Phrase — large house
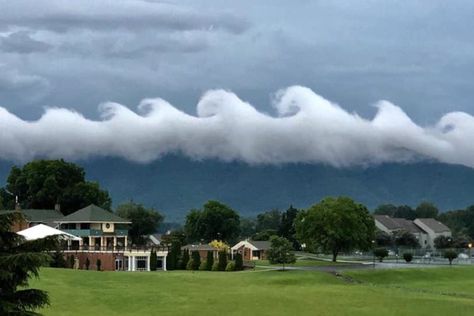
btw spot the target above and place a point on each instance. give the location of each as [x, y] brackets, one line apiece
[425, 230]
[251, 249]
[104, 236]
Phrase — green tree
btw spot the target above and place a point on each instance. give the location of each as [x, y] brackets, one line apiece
[265, 234]
[98, 264]
[450, 255]
[209, 260]
[280, 251]
[269, 220]
[335, 225]
[19, 261]
[145, 221]
[153, 260]
[239, 262]
[215, 221]
[247, 227]
[88, 263]
[385, 209]
[380, 253]
[405, 211]
[443, 242]
[404, 238]
[196, 259]
[287, 227]
[408, 257]
[184, 259]
[426, 210]
[382, 239]
[222, 260]
[41, 184]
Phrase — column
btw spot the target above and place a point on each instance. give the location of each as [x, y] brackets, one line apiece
[126, 243]
[164, 262]
[129, 267]
[133, 263]
[148, 263]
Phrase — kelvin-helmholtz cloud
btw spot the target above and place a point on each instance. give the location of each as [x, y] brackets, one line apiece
[307, 128]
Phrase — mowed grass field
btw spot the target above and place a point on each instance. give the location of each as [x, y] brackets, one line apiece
[433, 291]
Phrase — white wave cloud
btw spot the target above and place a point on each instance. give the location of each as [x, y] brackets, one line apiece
[307, 128]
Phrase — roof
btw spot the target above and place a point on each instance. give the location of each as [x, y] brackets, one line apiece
[434, 225]
[42, 231]
[398, 224]
[93, 214]
[387, 221]
[37, 215]
[260, 244]
[253, 244]
[204, 247]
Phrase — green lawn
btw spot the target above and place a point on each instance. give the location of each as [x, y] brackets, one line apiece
[300, 263]
[443, 291]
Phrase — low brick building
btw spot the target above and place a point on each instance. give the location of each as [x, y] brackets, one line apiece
[251, 249]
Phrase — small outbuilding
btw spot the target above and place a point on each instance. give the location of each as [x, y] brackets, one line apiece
[251, 249]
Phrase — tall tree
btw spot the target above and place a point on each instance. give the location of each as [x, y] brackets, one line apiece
[20, 260]
[405, 211]
[145, 221]
[280, 251]
[426, 210]
[335, 225]
[247, 227]
[405, 239]
[287, 227]
[269, 220]
[214, 221]
[43, 183]
[385, 209]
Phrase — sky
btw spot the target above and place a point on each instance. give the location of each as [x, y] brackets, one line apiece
[101, 65]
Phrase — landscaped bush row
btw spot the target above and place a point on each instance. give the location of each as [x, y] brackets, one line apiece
[194, 262]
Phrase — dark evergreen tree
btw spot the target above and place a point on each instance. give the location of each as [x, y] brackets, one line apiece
[239, 263]
[172, 261]
[153, 260]
[196, 258]
[88, 263]
[222, 260]
[184, 259]
[20, 260]
[98, 264]
[210, 260]
[57, 259]
[71, 261]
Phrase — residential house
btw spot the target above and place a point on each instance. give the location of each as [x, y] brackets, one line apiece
[433, 229]
[104, 236]
[32, 217]
[251, 249]
[425, 230]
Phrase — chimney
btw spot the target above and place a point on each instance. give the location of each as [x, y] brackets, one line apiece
[57, 207]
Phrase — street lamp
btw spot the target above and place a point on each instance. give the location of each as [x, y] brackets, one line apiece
[470, 246]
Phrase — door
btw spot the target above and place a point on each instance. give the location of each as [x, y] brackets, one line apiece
[118, 264]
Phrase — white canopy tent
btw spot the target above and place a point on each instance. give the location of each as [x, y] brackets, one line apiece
[42, 231]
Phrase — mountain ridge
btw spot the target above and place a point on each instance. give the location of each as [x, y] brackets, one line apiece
[175, 184]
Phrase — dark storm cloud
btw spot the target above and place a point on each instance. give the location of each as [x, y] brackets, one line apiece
[21, 42]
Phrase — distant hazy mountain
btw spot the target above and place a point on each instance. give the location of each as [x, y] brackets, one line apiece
[175, 184]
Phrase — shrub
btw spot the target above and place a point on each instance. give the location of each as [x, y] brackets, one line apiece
[450, 255]
[71, 261]
[57, 260]
[230, 266]
[196, 259]
[88, 263]
[98, 264]
[239, 263]
[380, 253]
[184, 260]
[215, 266]
[408, 257]
[203, 266]
[222, 260]
[210, 260]
[190, 265]
[153, 260]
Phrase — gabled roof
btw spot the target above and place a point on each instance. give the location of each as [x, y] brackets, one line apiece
[42, 231]
[93, 214]
[33, 215]
[434, 225]
[37, 215]
[394, 224]
[253, 244]
[387, 221]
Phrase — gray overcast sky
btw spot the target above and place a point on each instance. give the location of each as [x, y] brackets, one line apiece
[417, 54]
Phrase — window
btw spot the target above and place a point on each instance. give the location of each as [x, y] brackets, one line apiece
[141, 263]
[85, 226]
